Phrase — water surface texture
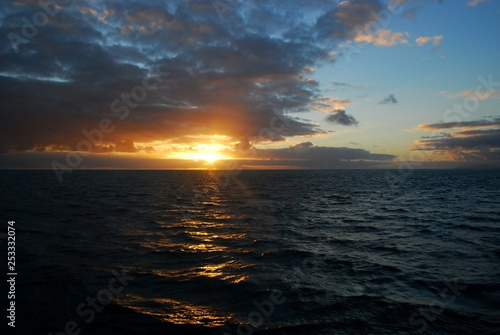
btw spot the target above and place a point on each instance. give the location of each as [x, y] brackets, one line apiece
[269, 252]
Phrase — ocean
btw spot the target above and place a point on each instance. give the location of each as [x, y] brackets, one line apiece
[262, 252]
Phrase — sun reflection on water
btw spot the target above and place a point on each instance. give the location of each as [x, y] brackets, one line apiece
[203, 234]
[176, 312]
[231, 271]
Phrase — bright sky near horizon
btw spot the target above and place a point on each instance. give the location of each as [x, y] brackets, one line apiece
[252, 84]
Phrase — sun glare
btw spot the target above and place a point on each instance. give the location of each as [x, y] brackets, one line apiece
[207, 153]
[209, 157]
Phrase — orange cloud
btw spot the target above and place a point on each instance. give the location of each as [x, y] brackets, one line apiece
[383, 38]
[436, 40]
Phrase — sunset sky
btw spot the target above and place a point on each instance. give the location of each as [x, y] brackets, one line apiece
[255, 84]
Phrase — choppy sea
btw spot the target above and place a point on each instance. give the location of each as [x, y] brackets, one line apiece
[262, 252]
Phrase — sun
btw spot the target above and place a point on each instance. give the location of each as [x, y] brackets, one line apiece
[200, 152]
[209, 157]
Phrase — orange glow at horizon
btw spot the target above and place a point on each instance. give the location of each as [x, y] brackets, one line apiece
[208, 153]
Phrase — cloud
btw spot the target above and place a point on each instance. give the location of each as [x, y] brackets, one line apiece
[302, 145]
[397, 3]
[339, 116]
[409, 13]
[436, 41]
[307, 155]
[226, 76]
[327, 104]
[301, 155]
[389, 100]
[383, 38]
[423, 40]
[468, 141]
[492, 122]
[474, 3]
[474, 94]
[336, 83]
[348, 18]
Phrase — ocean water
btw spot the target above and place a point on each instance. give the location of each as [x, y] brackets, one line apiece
[264, 252]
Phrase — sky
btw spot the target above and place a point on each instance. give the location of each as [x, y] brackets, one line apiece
[227, 84]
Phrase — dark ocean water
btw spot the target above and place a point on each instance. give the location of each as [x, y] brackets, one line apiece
[268, 252]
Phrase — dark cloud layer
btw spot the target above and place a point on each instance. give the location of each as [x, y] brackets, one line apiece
[306, 155]
[492, 122]
[229, 71]
[471, 141]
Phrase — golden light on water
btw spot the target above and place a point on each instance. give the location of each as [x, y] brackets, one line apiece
[176, 312]
[204, 238]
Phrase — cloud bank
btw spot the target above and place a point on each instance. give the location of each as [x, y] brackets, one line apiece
[468, 141]
[162, 71]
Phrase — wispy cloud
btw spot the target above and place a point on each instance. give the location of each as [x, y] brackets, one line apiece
[436, 41]
[397, 3]
[326, 105]
[340, 84]
[474, 3]
[492, 122]
[474, 94]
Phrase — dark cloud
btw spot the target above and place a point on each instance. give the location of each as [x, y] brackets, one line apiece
[487, 138]
[339, 116]
[302, 145]
[492, 122]
[346, 20]
[303, 156]
[306, 155]
[389, 100]
[474, 141]
[341, 84]
[226, 76]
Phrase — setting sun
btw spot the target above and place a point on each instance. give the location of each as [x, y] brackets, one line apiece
[208, 153]
[250, 167]
[209, 157]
